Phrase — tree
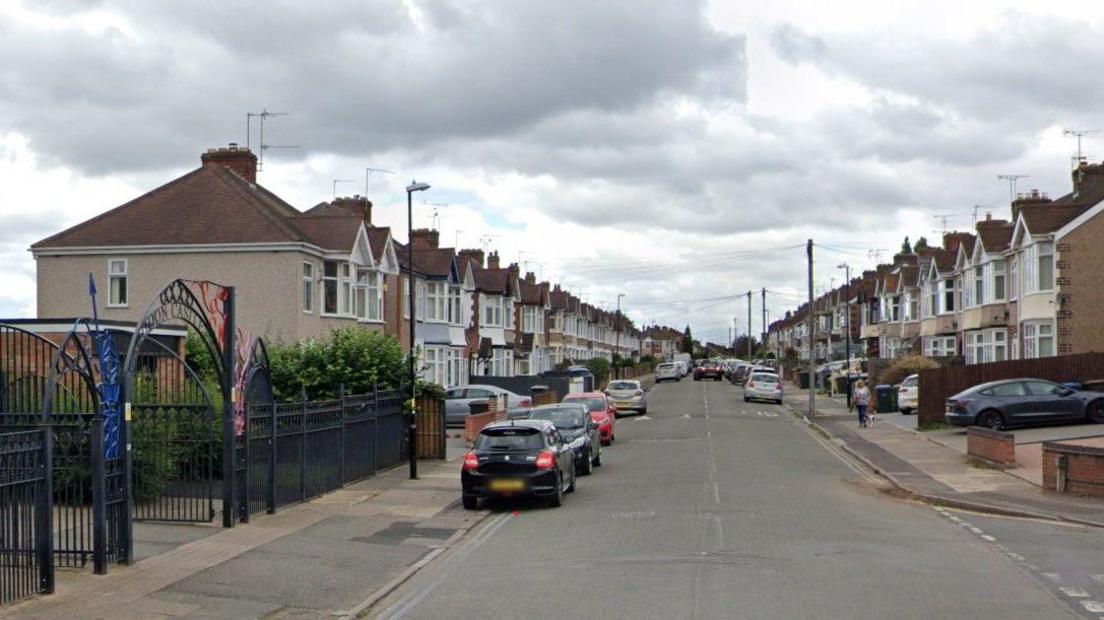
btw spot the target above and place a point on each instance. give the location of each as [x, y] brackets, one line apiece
[687, 341]
[906, 247]
[921, 244]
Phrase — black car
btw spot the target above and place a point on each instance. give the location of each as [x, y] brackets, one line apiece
[578, 431]
[1023, 402]
[518, 458]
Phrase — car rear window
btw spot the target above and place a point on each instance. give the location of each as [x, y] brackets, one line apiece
[519, 438]
[566, 417]
[1006, 389]
[764, 378]
[665, 367]
[623, 385]
[910, 382]
[592, 404]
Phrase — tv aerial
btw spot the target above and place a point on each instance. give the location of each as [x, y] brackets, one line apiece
[262, 115]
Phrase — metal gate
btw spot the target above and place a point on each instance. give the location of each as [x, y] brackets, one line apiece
[26, 563]
[180, 424]
[254, 449]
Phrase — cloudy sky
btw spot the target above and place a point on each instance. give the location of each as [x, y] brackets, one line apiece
[677, 152]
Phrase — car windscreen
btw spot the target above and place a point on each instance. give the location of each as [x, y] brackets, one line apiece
[592, 404]
[910, 382]
[623, 385]
[518, 438]
[566, 417]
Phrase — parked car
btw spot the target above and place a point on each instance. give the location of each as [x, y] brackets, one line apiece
[908, 394]
[1022, 402]
[459, 399]
[602, 411]
[518, 458]
[578, 430]
[684, 368]
[740, 374]
[628, 396]
[668, 372]
[708, 370]
[763, 386]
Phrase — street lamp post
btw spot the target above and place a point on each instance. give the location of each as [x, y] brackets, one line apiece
[617, 340]
[847, 325]
[412, 431]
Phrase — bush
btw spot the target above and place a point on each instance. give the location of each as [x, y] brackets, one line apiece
[355, 358]
[905, 366]
[600, 368]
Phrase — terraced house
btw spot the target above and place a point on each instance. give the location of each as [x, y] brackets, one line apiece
[1027, 287]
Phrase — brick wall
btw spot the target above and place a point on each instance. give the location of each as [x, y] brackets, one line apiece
[1080, 284]
[991, 446]
[1084, 470]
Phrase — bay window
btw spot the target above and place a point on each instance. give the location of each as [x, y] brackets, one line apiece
[1038, 339]
[455, 313]
[1038, 267]
[368, 302]
[997, 286]
[435, 365]
[329, 287]
[1013, 283]
[979, 285]
[1046, 266]
[308, 286]
[436, 301]
[988, 345]
[345, 294]
[948, 296]
[492, 310]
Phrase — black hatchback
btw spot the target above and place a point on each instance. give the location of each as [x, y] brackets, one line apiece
[518, 458]
[577, 429]
[1023, 402]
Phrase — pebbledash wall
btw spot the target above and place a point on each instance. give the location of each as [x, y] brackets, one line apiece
[268, 283]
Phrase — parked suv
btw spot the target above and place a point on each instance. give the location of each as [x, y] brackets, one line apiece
[518, 458]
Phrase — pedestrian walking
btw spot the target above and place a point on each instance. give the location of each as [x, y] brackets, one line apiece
[861, 398]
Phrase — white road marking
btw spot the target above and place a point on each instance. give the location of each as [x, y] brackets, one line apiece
[1099, 578]
[686, 415]
[1095, 607]
[1052, 576]
[1016, 556]
[1073, 592]
[716, 494]
[988, 538]
[976, 530]
[641, 418]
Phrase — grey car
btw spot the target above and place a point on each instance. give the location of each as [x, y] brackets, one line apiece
[1023, 402]
[578, 431]
[628, 395]
[458, 399]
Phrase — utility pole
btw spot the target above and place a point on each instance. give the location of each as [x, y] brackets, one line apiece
[811, 321]
[617, 346]
[847, 327]
[750, 355]
[763, 304]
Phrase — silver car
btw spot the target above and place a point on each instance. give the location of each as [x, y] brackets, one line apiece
[668, 372]
[763, 386]
[458, 399]
[628, 396]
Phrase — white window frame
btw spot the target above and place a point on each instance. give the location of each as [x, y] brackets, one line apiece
[307, 287]
[435, 364]
[436, 302]
[123, 277]
[492, 310]
[1046, 257]
[1013, 278]
[334, 282]
[996, 281]
[977, 283]
[1035, 334]
[455, 311]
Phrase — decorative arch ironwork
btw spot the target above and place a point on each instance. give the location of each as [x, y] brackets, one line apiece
[171, 424]
[254, 456]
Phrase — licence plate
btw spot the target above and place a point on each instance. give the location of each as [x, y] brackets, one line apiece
[622, 403]
[507, 485]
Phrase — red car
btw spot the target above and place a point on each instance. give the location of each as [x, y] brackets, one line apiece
[708, 370]
[601, 410]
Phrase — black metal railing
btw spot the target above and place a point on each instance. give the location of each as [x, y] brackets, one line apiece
[298, 451]
[26, 562]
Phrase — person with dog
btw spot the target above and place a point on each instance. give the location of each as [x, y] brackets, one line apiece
[860, 397]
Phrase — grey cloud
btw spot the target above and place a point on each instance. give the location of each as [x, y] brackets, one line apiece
[356, 77]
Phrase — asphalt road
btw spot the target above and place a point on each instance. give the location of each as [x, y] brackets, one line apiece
[712, 508]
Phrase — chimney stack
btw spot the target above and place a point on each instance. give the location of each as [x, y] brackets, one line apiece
[425, 239]
[531, 277]
[1034, 197]
[492, 260]
[473, 255]
[356, 205]
[233, 157]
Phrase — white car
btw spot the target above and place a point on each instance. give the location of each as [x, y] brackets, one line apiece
[668, 372]
[908, 394]
[763, 386]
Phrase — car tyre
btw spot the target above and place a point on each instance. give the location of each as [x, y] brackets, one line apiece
[557, 498]
[588, 466]
[470, 502]
[571, 487]
[747, 400]
[991, 419]
[598, 458]
[1096, 411]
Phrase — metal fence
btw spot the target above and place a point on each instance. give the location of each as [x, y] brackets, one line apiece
[939, 384]
[297, 451]
[26, 562]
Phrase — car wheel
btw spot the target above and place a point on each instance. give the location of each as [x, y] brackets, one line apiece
[644, 411]
[557, 498]
[906, 412]
[1096, 411]
[571, 487]
[991, 419]
[588, 466]
[747, 400]
[470, 502]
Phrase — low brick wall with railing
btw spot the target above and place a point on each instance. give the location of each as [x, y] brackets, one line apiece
[994, 447]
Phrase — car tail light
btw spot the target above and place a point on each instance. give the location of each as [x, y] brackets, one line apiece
[545, 460]
[954, 406]
[639, 393]
[471, 462]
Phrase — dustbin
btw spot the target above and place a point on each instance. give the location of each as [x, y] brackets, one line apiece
[803, 380]
[884, 395]
[479, 406]
[538, 389]
[840, 385]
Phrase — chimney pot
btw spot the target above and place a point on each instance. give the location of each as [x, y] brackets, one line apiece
[425, 239]
[241, 161]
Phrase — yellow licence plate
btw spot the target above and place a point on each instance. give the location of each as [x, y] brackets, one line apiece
[622, 403]
[507, 485]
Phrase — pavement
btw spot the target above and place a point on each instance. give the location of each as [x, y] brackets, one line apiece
[933, 465]
[325, 558]
[709, 507]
